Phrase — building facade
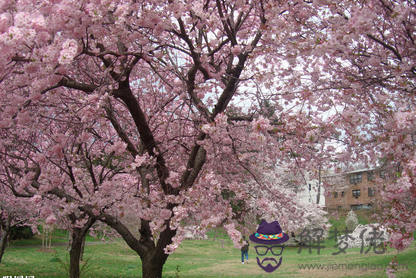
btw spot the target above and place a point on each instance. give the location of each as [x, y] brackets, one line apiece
[355, 190]
[310, 192]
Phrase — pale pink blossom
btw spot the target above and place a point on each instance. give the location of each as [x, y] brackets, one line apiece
[68, 52]
[51, 219]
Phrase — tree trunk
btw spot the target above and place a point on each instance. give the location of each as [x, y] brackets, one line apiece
[153, 261]
[153, 267]
[75, 254]
[152, 255]
[81, 258]
[318, 195]
[4, 236]
[50, 237]
[43, 236]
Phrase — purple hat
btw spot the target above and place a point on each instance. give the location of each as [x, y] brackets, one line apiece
[269, 233]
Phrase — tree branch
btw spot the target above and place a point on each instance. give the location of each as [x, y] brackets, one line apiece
[394, 50]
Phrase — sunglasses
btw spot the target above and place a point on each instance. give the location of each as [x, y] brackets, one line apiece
[262, 250]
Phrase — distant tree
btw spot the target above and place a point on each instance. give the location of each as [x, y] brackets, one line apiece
[21, 203]
[368, 74]
[351, 221]
[14, 213]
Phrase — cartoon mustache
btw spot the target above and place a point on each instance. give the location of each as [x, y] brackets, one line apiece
[269, 268]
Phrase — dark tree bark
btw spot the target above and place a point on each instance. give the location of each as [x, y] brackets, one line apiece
[5, 234]
[75, 254]
[155, 258]
[318, 195]
[153, 267]
[81, 258]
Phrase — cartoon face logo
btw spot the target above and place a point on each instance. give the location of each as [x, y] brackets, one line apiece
[268, 238]
[269, 264]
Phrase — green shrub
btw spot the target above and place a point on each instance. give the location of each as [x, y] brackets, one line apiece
[20, 232]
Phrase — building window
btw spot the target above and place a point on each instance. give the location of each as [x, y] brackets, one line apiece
[339, 207]
[335, 194]
[342, 194]
[371, 192]
[355, 178]
[370, 176]
[382, 174]
[356, 193]
[361, 207]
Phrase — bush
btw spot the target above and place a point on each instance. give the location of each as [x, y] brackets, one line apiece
[20, 232]
[365, 235]
[351, 221]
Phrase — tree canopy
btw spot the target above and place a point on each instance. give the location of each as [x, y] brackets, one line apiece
[158, 108]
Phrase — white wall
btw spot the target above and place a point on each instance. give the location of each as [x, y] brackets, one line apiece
[310, 196]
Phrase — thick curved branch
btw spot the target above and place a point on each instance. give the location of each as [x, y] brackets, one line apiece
[120, 131]
[110, 220]
[394, 50]
[190, 88]
[146, 135]
[195, 162]
[87, 88]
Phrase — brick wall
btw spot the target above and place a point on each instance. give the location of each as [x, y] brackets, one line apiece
[355, 193]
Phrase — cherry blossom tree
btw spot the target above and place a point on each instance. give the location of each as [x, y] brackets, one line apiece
[367, 58]
[25, 198]
[14, 212]
[163, 108]
[135, 106]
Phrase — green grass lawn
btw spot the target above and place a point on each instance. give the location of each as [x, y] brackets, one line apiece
[195, 258]
[205, 258]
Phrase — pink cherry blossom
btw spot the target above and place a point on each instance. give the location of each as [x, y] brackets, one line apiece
[167, 114]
